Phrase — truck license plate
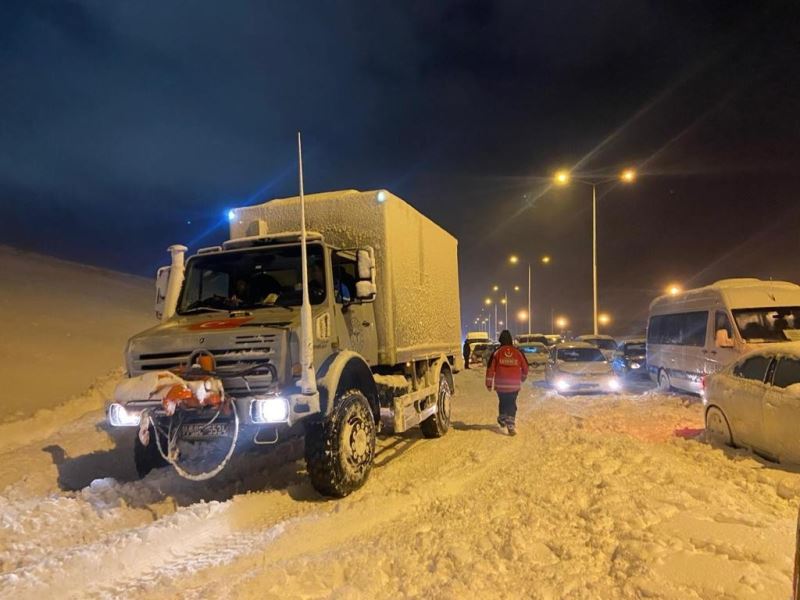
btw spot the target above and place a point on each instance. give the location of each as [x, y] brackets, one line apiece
[204, 431]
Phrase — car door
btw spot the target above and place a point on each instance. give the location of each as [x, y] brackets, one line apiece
[782, 411]
[718, 357]
[743, 400]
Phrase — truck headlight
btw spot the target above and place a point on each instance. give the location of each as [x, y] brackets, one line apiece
[274, 409]
[119, 416]
[562, 385]
[614, 385]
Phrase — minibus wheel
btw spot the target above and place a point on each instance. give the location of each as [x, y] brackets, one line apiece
[663, 381]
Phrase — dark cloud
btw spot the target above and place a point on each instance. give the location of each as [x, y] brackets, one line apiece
[127, 126]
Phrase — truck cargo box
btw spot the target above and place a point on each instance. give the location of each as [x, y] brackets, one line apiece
[417, 306]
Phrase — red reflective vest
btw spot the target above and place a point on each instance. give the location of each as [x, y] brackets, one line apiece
[507, 369]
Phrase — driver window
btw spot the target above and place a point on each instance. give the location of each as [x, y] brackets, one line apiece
[787, 373]
[344, 277]
[754, 368]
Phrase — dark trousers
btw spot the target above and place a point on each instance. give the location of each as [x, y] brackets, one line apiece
[508, 406]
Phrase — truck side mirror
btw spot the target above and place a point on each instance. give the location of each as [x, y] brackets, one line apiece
[162, 279]
[723, 340]
[366, 290]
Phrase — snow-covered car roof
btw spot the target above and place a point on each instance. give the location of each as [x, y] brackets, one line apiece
[568, 345]
[595, 337]
[779, 349]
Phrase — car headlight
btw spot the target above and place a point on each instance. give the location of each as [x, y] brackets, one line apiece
[635, 365]
[562, 385]
[119, 416]
[274, 409]
[614, 384]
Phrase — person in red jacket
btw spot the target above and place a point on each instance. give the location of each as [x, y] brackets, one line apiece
[506, 371]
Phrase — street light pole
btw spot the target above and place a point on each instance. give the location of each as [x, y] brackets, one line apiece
[594, 254]
[529, 298]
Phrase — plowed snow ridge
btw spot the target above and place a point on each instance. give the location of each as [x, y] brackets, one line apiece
[598, 497]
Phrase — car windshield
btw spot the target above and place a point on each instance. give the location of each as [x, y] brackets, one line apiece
[602, 343]
[531, 339]
[638, 348]
[251, 279]
[533, 348]
[580, 355]
[768, 324]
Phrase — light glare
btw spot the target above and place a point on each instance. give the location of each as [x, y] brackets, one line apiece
[562, 177]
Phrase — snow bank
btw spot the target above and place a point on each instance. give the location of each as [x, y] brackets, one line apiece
[66, 324]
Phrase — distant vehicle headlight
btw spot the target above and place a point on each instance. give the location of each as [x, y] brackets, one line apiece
[635, 365]
[562, 385]
[614, 385]
[119, 416]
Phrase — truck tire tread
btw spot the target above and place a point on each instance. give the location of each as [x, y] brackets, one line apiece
[327, 461]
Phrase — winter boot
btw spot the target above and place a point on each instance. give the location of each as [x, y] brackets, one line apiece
[512, 426]
[501, 421]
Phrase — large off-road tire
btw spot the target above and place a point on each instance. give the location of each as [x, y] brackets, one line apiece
[341, 449]
[718, 432]
[147, 458]
[438, 424]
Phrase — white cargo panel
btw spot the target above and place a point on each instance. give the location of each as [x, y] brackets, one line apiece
[417, 307]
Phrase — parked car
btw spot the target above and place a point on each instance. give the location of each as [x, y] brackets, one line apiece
[530, 338]
[700, 331]
[487, 353]
[630, 358]
[536, 354]
[755, 403]
[606, 343]
[477, 352]
[553, 339]
[580, 367]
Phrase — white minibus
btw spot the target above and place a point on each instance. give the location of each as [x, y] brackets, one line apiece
[699, 331]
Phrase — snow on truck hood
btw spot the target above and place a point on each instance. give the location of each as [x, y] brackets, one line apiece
[209, 322]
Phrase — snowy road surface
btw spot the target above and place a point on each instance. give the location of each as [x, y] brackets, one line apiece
[597, 497]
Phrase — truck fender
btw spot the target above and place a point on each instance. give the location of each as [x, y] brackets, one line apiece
[343, 371]
[444, 369]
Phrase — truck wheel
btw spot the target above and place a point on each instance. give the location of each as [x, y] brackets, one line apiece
[147, 458]
[340, 450]
[437, 425]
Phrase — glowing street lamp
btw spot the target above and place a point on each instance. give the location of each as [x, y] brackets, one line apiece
[603, 319]
[488, 302]
[561, 323]
[513, 259]
[674, 290]
[562, 178]
[495, 288]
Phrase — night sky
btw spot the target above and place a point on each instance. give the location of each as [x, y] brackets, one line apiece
[128, 126]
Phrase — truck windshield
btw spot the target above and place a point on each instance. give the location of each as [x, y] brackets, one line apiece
[251, 279]
[768, 324]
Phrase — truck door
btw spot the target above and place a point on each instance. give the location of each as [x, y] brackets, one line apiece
[355, 322]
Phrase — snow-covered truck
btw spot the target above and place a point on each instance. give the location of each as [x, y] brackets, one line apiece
[221, 373]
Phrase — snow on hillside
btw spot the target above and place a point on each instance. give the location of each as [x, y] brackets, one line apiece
[65, 324]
